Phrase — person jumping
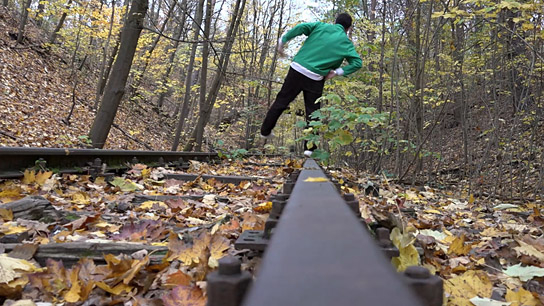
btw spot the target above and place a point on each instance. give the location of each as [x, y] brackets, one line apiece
[319, 59]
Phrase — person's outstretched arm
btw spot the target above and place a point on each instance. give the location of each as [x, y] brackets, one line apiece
[301, 28]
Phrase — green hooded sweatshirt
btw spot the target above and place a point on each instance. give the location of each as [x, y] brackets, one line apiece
[325, 48]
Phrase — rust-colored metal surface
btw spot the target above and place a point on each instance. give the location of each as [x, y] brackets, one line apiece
[320, 254]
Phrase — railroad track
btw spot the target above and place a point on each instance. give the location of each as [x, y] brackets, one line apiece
[14, 160]
[317, 250]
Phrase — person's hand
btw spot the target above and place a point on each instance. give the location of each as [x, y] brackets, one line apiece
[281, 53]
[331, 75]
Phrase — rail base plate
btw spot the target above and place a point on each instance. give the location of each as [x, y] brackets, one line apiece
[252, 240]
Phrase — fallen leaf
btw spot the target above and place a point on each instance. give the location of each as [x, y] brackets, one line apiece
[505, 206]
[116, 290]
[263, 208]
[43, 176]
[152, 204]
[81, 198]
[478, 301]
[524, 273]
[458, 246]
[177, 278]
[467, 286]
[521, 298]
[527, 249]
[218, 246]
[408, 253]
[72, 296]
[184, 295]
[6, 214]
[316, 179]
[12, 268]
[29, 177]
[125, 185]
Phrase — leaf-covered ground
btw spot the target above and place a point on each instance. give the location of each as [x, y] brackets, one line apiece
[488, 253]
[195, 232]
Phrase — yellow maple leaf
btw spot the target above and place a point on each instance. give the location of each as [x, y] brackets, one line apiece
[29, 177]
[218, 246]
[521, 298]
[458, 246]
[316, 179]
[466, 286]
[72, 295]
[10, 193]
[41, 177]
[186, 252]
[81, 198]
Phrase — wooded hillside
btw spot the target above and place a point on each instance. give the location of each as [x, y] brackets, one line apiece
[450, 92]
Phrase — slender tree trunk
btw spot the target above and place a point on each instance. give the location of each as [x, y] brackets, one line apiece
[188, 77]
[459, 90]
[275, 57]
[105, 76]
[101, 77]
[60, 24]
[177, 37]
[115, 88]
[24, 17]
[205, 54]
[39, 13]
[196, 136]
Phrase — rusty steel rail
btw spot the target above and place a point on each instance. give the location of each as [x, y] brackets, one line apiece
[320, 254]
[13, 160]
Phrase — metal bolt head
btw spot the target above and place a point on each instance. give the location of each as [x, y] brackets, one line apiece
[229, 265]
[417, 272]
[382, 233]
[349, 197]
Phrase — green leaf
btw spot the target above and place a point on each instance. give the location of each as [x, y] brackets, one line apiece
[125, 185]
[344, 137]
[321, 155]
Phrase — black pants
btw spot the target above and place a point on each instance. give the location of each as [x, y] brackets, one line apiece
[294, 83]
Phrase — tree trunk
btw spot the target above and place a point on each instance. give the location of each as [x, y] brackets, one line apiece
[24, 17]
[177, 37]
[101, 77]
[39, 12]
[188, 76]
[196, 136]
[105, 76]
[251, 126]
[115, 88]
[275, 57]
[60, 24]
[205, 54]
[460, 102]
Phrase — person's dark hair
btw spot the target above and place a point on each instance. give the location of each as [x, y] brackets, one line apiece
[345, 20]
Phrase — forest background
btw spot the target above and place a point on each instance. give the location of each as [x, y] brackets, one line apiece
[450, 93]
